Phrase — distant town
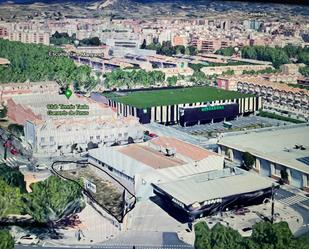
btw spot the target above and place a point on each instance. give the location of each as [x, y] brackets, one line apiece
[187, 128]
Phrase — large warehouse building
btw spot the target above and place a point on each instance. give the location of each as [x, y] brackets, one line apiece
[158, 160]
[185, 180]
[187, 106]
[274, 150]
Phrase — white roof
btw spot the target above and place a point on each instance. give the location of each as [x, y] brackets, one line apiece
[119, 161]
[275, 145]
[213, 185]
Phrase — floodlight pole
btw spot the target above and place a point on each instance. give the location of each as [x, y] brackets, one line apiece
[272, 203]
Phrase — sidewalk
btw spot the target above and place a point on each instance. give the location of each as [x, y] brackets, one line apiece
[93, 228]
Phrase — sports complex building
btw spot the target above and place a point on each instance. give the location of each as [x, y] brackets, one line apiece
[186, 181]
[187, 106]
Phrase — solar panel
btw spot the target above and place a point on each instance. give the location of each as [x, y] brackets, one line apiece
[304, 160]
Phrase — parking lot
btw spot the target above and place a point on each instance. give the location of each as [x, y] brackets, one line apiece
[243, 219]
[239, 124]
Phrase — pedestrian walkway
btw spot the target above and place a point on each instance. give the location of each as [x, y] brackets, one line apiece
[10, 161]
[295, 199]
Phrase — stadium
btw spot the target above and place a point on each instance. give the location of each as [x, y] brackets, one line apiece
[187, 106]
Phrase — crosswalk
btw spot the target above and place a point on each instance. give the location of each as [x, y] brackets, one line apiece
[295, 199]
[10, 161]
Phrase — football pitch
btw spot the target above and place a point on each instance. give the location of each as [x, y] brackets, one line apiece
[146, 99]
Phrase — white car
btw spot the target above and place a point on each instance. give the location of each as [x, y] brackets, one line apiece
[41, 167]
[28, 240]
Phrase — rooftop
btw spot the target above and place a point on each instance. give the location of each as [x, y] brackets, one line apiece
[38, 105]
[188, 150]
[276, 145]
[149, 157]
[214, 184]
[146, 99]
[274, 85]
[4, 61]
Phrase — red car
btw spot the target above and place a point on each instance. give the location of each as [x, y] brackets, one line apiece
[153, 135]
[14, 151]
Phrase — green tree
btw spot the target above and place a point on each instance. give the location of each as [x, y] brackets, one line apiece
[198, 77]
[53, 198]
[264, 236]
[12, 177]
[3, 111]
[171, 81]
[10, 200]
[6, 240]
[36, 62]
[249, 160]
[93, 41]
[277, 56]
[267, 235]
[202, 236]
[225, 237]
[16, 129]
[304, 71]
[229, 51]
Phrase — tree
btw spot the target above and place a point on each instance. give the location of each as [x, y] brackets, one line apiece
[3, 111]
[225, 237]
[16, 129]
[202, 236]
[6, 240]
[277, 56]
[304, 71]
[10, 200]
[267, 235]
[35, 62]
[171, 81]
[229, 51]
[12, 177]
[264, 235]
[53, 198]
[249, 160]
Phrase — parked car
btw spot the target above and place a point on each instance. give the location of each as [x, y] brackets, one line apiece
[41, 167]
[14, 151]
[242, 211]
[28, 240]
[153, 135]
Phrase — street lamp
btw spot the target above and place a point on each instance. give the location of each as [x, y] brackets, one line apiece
[272, 202]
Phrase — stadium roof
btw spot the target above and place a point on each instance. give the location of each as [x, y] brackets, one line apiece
[276, 145]
[146, 99]
[213, 185]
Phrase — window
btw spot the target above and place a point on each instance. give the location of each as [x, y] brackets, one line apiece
[98, 137]
[278, 169]
[91, 137]
[52, 139]
[42, 139]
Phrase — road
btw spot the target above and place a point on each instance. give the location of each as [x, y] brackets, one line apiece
[130, 240]
[299, 203]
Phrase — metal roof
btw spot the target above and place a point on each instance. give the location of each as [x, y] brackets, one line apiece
[213, 185]
[275, 144]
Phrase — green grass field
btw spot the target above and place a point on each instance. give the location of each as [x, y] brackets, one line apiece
[147, 99]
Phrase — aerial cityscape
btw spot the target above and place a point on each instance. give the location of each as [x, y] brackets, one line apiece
[154, 124]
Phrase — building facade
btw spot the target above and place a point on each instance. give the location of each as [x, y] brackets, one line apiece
[284, 149]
